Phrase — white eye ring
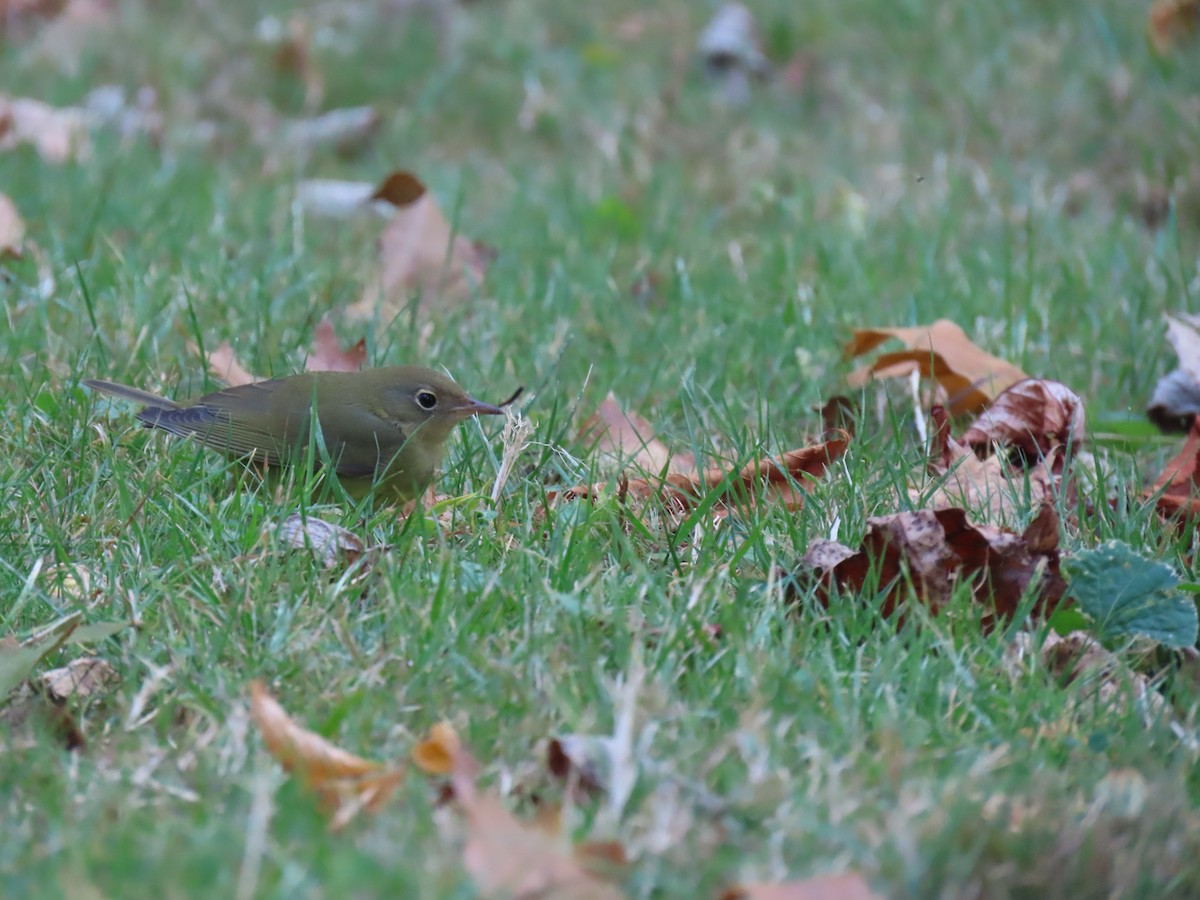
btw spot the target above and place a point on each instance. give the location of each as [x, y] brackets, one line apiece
[427, 400]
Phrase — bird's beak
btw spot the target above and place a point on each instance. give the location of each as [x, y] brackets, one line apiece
[478, 408]
[474, 407]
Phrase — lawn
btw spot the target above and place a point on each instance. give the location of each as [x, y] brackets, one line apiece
[1026, 169]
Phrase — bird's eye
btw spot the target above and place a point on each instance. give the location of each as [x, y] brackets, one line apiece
[426, 399]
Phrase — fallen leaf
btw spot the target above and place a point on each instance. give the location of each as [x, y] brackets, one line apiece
[729, 46]
[331, 543]
[1176, 398]
[435, 755]
[57, 134]
[970, 377]
[1032, 416]
[1175, 402]
[625, 438]
[1176, 492]
[507, 858]
[224, 366]
[12, 229]
[783, 480]
[1123, 594]
[1172, 21]
[342, 129]
[926, 553]
[340, 199]
[328, 355]
[292, 56]
[419, 254]
[582, 759]
[985, 486]
[81, 679]
[1078, 658]
[345, 783]
[18, 660]
[846, 886]
[64, 41]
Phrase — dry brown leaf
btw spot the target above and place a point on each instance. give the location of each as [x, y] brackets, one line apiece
[342, 129]
[12, 229]
[332, 543]
[625, 438]
[582, 759]
[970, 377]
[57, 134]
[419, 254]
[1176, 492]
[81, 679]
[435, 755]
[1172, 21]
[345, 783]
[507, 858]
[784, 480]
[989, 485]
[846, 886]
[64, 41]
[223, 365]
[1032, 416]
[292, 56]
[925, 553]
[1176, 398]
[327, 354]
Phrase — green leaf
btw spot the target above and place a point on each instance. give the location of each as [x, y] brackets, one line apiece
[18, 663]
[96, 632]
[1066, 619]
[1124, 593]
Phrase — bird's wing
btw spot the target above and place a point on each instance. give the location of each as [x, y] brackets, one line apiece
[239, 421]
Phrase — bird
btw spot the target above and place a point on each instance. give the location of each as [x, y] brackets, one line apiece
[383, 429]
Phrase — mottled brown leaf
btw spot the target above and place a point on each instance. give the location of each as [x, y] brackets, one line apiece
[924, 554]
[1032, 416]
[331, 543]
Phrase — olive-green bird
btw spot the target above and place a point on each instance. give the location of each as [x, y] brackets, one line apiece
[383, 428]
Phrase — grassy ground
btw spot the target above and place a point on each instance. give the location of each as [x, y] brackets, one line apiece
[999, 164]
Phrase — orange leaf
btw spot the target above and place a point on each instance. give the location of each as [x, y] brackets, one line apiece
[419, 253]
[224, 366]
[328, 355]
[971, 377]
[627, 438]
[508, 858]
[1171, 21]
[1177, 489]
[346, 784]
[300, 751]
[847, 886]
[436, 753]
[775, 475]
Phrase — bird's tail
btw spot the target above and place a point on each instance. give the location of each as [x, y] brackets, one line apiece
[130, 393]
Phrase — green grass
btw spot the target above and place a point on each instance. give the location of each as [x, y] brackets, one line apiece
[1004, 171]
